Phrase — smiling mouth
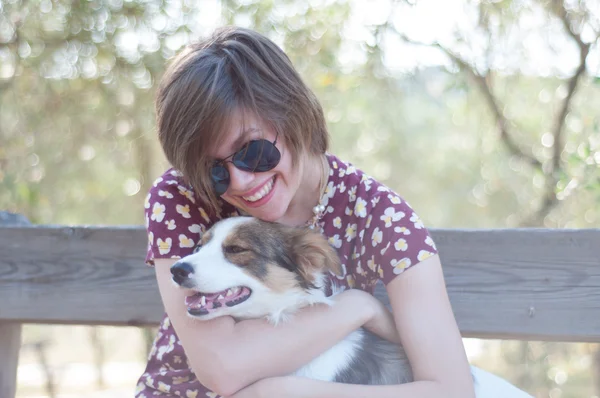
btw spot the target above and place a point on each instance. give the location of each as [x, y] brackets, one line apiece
[262, 193]
[204, 303]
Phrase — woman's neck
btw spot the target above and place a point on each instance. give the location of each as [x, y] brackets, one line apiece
[315, 173]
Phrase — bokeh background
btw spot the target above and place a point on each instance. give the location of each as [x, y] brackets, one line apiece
[482, 114]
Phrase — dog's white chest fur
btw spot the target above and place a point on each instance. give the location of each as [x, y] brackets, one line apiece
[326, 366]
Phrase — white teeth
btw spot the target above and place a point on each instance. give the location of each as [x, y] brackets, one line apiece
[203, 301]
[220, 297]
[235, 290]
[260, 194]
[229, 292]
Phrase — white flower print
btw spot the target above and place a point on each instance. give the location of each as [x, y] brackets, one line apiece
[360, 208]
[350, 232]
[342, 187]
[375, 201]
[351, 170]
[417, 221]
[157, 181]
[394, 199]
[376, 237]
[187, 193]
[165, 349]
[171, 225]
[203, 214]
[391, 215]
[348, 211]
[330, 190]
[147, 220]
[163, 387]
[164, 246]
[165, 194]
[335, 241]
[371, 264]
[430, 242]
[367, 181]
[180, 379]
[172, 182]
[342, 173]
[184, 241]
[147, 201]
[423, 255]
[361, 234]
[158, 212]
[401, 245]
[151, 238]
[402, 230]
[183, 210]
[383, 188]
[385, 248]
[400, 265]
[176, 173]
[196, 228]
[337, 222]
[369, 219]
[352, 194]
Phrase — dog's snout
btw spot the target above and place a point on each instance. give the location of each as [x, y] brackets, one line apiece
[181, 272]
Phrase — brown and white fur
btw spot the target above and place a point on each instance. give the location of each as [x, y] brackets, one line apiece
[247, 268]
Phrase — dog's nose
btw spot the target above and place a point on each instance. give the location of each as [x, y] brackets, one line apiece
[181, 271]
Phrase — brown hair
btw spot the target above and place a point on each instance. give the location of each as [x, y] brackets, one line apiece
[235, 69]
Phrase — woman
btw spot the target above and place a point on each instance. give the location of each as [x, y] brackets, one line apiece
[246, 136]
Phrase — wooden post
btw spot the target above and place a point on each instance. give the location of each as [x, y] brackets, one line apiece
[10, 333]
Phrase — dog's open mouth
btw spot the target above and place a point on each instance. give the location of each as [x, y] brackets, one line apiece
[203, 303]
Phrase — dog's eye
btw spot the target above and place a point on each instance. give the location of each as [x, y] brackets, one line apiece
[233, 249]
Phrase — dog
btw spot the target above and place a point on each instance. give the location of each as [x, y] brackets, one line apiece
[247, 268]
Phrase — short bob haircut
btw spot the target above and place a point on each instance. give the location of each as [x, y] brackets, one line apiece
[234, 70]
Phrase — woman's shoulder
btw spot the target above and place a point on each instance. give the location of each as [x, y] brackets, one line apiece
[350, 184]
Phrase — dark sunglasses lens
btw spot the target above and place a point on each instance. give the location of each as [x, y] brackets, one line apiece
[258, 155]
[220, 178]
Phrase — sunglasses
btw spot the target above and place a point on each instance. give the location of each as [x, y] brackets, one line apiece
[256, 156]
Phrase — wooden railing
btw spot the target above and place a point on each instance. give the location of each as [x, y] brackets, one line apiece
[527, 284]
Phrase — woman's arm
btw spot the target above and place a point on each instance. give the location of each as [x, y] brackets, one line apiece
[227, 356]
[429, 335]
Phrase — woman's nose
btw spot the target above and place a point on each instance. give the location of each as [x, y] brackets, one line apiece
[239, 179]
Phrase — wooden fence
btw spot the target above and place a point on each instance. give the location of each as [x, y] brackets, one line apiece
[528, 284]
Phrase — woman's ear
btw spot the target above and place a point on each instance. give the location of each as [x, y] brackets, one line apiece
[314, 253]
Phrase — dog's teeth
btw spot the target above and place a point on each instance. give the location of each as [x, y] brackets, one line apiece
[229, 292]
[220, 297]
[235, 290]
[203, 301]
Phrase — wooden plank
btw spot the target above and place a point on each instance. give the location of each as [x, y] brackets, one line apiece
[10, 332]
[527, 283]
[531, 284]
[77, 275]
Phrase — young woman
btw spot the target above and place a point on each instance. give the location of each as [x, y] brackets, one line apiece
[246, 136]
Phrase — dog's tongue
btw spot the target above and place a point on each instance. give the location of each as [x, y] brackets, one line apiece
[210, 301]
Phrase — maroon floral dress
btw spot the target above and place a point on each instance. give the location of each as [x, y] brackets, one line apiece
[376, 233]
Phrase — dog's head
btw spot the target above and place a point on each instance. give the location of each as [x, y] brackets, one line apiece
[249, 268]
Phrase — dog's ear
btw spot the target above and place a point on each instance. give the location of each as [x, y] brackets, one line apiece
[314, 253]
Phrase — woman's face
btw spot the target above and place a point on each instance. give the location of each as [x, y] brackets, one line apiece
[264, 195]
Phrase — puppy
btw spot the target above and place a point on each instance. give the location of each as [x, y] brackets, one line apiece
[247, 268]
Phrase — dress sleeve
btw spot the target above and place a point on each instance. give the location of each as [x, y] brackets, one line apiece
[175, 221]
[393, 238]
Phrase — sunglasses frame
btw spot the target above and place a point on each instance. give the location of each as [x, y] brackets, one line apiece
[221, 163]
